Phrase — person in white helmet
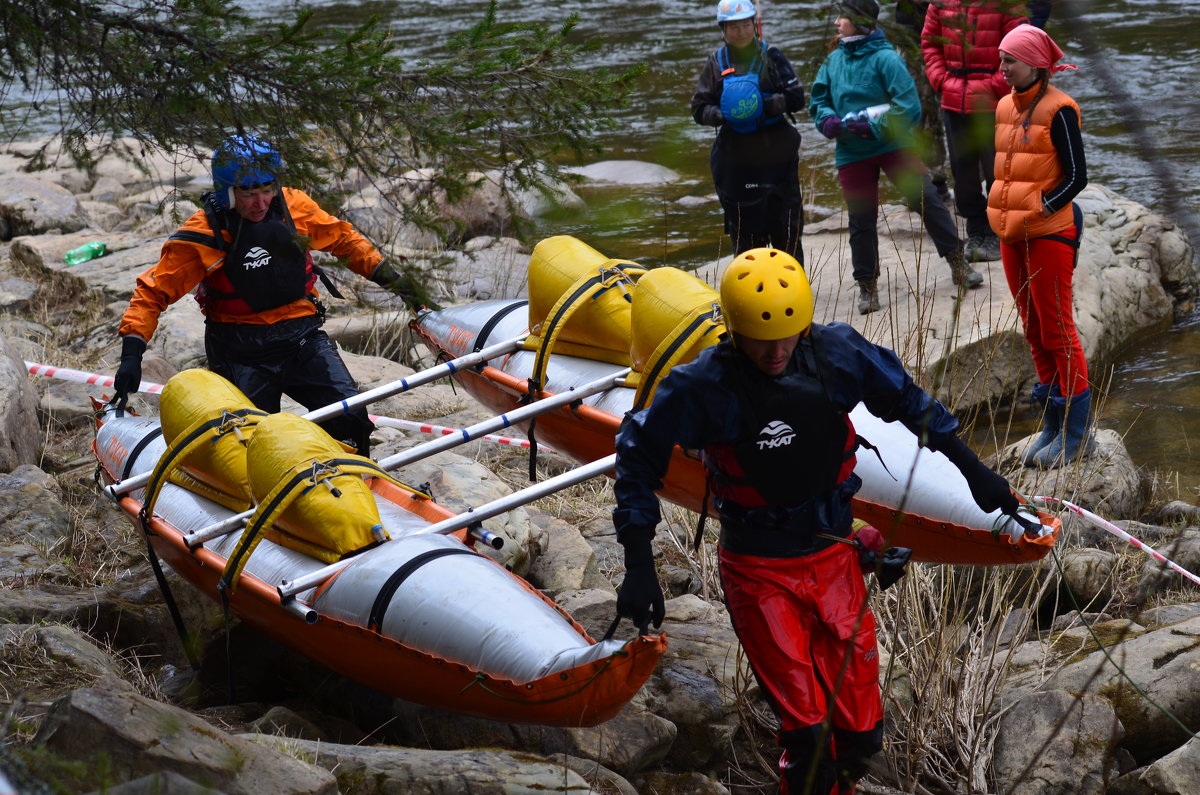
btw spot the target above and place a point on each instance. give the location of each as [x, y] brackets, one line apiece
[747, 89]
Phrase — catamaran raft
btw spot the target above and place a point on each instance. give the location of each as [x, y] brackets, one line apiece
[608, 330]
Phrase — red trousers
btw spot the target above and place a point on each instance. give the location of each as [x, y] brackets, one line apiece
[1040, 273]
[810, 638]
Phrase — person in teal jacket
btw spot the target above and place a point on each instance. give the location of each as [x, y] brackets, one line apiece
[865, 76]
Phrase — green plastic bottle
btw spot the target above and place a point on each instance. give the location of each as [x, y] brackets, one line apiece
[85, 252]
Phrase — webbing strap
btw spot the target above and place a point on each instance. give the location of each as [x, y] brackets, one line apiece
[199, 433]
[283, 494]
[131, 459]
[679, 341]
[384, 598]
[188, 236]
[481, 338]
[613, 273]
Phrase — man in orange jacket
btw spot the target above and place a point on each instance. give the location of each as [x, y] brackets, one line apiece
[246, 254]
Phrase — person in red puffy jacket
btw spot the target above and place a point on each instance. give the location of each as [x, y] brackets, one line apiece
[960, 43]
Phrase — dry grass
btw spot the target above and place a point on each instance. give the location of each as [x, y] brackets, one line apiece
[32, 678]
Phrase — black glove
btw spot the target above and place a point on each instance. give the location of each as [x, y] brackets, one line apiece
[892, 566]
[640, 597]
[129, 371]
[991, 491]
[774, 105]
[402, 285]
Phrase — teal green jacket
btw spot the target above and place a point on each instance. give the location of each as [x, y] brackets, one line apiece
[857, 75]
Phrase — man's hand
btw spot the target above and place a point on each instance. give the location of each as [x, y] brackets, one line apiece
[990, 490]
[402, 285]
[831, 127]
[129, 371]
[640, 597]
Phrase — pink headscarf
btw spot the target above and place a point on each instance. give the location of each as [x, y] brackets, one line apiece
[1034, 47]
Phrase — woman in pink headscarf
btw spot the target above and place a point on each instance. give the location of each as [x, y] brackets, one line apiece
[1040, 168]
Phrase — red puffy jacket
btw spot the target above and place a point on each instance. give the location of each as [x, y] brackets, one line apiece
[961, 47]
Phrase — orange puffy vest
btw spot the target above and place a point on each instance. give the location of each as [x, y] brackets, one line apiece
[1026, 167]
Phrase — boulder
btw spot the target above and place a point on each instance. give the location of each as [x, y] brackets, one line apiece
[567, 562]
[699, 682]
[140, 737]
[30, 206]
[31, 510]
[1165, 665]
[486, 269]
[1177, 773]
[625, 172]
[413, 771]
[20, 436]
[111, 276]
[459, 484]
[1183, 550]
[1106, 482]
[1056, 742]
[1088, 574]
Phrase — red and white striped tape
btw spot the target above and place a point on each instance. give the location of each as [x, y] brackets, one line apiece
[442, 430]
[1108, 526]
[67, 374]
[79, 376]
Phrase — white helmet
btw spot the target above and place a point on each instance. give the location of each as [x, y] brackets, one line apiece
[731, 10]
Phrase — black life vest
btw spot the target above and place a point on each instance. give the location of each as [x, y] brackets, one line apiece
[801, 444]
[264, 266]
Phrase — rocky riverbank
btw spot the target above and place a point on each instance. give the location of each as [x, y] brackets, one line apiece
[1071, 676]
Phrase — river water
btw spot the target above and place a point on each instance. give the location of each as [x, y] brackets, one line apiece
[1137, 62]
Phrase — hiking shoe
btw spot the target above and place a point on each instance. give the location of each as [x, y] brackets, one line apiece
[983, 248]
[868, 297]
[962, 272]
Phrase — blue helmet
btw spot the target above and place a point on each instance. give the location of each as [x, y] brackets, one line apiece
[732, 10]
[240, 162]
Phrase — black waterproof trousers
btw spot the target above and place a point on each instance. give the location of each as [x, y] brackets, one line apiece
[294, 358]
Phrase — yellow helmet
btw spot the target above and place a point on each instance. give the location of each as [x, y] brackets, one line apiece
[765, 295]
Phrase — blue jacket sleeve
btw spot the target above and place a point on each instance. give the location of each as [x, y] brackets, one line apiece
[690, 409]
[706, 100]
[902, 93]
[857, 370]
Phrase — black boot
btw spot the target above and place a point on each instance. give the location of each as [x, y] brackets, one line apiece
[868, 296]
